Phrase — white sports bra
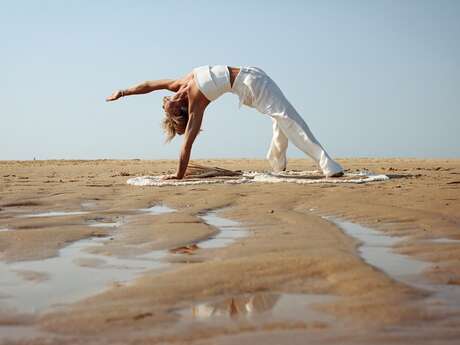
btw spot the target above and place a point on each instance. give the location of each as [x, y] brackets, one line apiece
[213, 81]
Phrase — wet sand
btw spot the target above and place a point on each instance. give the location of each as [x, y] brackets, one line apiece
[288, 275]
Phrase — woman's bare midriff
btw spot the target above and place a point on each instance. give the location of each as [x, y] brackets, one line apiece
[233, 73]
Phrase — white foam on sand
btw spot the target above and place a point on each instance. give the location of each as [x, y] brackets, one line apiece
[299, 177]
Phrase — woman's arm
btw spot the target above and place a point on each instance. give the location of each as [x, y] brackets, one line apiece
[192, 130]
[197, 104]
[146, 87]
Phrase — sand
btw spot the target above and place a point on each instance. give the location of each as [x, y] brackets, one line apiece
[222, 295]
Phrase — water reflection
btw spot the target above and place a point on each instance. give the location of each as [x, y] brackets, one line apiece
[292, 307]
[236, 306]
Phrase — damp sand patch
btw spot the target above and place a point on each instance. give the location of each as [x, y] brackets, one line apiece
[246, 177]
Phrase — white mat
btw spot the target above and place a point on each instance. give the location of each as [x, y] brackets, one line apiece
[299, 177]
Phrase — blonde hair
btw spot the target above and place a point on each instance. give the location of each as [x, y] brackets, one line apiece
[175, 124]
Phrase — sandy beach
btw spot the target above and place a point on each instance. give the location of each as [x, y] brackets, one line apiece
[88, 259]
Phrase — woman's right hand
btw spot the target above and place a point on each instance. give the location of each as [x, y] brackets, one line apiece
[114, 96]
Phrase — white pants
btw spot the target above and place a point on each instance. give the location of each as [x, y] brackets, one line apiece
[256, 89]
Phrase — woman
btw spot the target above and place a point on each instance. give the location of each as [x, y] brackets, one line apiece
[193, 93]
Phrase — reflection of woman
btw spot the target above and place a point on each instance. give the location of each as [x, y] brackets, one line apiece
[237, 306]
[193, 93]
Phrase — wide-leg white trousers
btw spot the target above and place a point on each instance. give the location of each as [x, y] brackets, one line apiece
[297, 131]
[256, 89]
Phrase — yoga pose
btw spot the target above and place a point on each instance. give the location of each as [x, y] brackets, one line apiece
[193, 93]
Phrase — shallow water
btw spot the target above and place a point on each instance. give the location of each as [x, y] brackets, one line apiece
[77, 273]
[158, 209]
[73, 274]
[229, 231]
[444, 240]
[51, 214]
[20, 332]
[89, 204]
[260, 306]
[376, 250]
[104, 224]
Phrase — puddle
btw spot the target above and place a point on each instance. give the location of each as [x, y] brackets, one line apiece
[20, 332]
[376, 251]
[106, 225]
[77, 272]
[154, 255]
[229, 231]
[158, 209]
[441, 240]
[51, 214]
[103, 223]
[88, 205]
[73, 275]
[261, 306]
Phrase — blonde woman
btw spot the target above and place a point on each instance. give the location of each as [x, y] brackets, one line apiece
[193, 93]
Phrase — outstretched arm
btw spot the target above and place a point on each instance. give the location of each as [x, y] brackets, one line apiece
[146, 87]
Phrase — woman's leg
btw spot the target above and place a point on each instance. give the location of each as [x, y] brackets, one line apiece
[297, 131]
[287, 124]
[277, 153]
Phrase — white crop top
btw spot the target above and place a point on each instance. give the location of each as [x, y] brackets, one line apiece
[213, 81]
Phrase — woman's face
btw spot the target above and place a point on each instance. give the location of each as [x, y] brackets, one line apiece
[179, 131]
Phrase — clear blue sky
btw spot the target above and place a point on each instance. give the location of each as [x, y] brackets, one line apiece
[371, 78]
